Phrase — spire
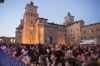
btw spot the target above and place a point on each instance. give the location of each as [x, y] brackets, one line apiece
[68, 14]
[32, 2]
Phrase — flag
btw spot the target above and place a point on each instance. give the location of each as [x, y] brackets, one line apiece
[1, 1]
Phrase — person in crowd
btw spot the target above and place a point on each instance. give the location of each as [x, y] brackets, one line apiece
[70, 62]
[69, 54]
[53, 60]
[42, 55]
[54, 54]
[91, 62]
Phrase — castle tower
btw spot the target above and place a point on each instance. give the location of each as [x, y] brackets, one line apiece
[68, 19]
[30, 17]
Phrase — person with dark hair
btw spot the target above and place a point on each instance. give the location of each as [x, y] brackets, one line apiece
[70, 62]
[42, 55]
[60, 56]
[18, 51]
[31, 55]
[53, 60]
[91, 62]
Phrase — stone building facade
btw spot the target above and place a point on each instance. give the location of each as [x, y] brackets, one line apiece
[36, 30]
[73, 31]
[91, 32]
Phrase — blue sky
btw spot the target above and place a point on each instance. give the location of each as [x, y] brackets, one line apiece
[54, 10]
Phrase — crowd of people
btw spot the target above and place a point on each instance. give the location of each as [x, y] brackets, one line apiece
[54, 55]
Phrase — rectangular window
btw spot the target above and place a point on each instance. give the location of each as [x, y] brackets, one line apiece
[91, 37]
[81, 38]
[84, 37]
[84, 31]
[90, 31]
[31, 23]
[30, 33]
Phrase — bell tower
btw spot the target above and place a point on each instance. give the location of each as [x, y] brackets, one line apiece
[31, 8]
[68, 19]
[30, 17]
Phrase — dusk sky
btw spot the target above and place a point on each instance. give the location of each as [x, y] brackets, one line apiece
[11, 11]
